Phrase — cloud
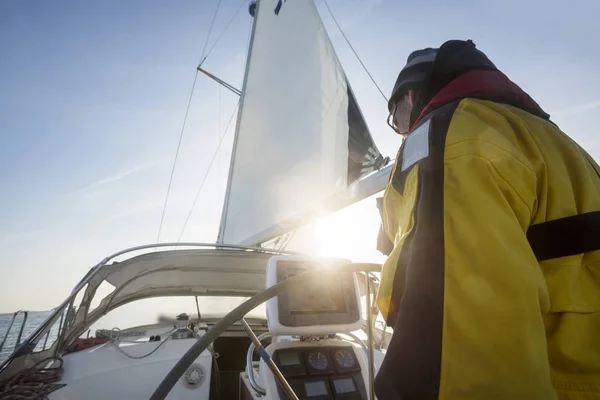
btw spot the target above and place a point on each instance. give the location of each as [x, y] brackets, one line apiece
[578, 109]
[116, 177]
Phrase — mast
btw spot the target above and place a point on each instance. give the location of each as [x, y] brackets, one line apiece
[253, 10]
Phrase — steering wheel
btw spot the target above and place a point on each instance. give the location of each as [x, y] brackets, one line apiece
[238, 313]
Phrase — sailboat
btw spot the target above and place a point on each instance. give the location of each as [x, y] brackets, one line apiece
[301, 149]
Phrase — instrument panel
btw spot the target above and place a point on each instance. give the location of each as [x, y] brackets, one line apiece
[315, 306]
[321, 373]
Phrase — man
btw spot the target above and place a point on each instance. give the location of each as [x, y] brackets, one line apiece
[492, 285]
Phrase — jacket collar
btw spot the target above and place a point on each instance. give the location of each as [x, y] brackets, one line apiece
[460, 71]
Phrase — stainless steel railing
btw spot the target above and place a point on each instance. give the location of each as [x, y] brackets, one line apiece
[12, 322]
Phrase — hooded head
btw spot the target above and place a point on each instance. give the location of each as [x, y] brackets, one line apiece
[409, 82]
[426, 72]
[413, 74]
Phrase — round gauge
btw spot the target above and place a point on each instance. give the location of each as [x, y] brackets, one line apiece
[318, 360]
[345, 358]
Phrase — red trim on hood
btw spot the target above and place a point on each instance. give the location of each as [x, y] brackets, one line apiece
[481, 84]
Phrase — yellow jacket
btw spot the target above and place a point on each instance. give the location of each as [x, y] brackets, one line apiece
[489, 300]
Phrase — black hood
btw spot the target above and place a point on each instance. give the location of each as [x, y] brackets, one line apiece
[454, 58]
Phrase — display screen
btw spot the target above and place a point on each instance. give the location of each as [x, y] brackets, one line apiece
[316, 388]
[324, 296]
[288, 358]
[344, 385]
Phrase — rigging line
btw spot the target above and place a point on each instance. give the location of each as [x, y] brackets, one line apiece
[219, 125]
[354, 51]
[212, 24]
[187, 110]
[223, 31]
[207, 172]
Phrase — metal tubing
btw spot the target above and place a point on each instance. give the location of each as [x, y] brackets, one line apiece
[249, 370]
[35, 337]
[9, 328]
[25, 315]
[59, 335]
[198, 309]
[269, 361]
[221, 82]
[46, 340]
[94, 270]
[370, 335]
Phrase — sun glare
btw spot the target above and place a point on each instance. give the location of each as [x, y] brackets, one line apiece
[349, 233]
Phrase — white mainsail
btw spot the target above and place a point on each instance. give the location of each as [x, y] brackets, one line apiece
[301, 141]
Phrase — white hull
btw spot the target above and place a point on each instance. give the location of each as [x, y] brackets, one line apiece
[103, 372]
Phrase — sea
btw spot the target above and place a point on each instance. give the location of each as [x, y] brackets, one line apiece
[34, 319]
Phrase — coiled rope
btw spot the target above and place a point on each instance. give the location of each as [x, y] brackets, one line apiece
[34, 383]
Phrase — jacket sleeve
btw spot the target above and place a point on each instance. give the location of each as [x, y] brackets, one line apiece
[469, 325]
[384, 244]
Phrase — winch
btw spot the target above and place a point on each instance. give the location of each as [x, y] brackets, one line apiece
[183, 331]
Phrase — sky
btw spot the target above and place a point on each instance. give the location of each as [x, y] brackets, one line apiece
[93, 96]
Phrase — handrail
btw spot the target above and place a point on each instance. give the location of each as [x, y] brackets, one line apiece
[41, 329]
[193, 244]
[25, 315]
[105, 261]
[250, 370]
[8, 330]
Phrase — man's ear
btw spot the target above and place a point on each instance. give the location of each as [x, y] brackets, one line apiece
[411, 97]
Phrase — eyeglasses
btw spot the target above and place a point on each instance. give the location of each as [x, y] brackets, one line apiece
[390, 119]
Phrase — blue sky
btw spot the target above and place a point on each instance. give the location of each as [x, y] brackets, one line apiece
[92, 97]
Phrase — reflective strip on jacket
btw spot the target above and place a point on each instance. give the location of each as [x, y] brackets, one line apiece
[476, 312]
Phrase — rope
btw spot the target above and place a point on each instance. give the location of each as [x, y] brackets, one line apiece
[35, 382]
[354, 51]
[206, 174]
